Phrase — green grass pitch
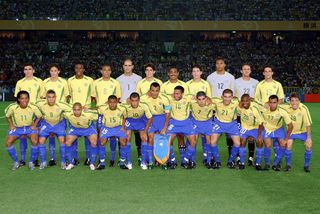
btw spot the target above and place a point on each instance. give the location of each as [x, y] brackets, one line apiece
[179, 191]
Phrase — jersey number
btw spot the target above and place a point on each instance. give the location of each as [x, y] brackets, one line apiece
[220, 85]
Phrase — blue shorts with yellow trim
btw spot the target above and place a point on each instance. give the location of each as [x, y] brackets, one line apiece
[136, 124]
[82, 132]
[202, 127]
[227, 128]
[244, 133]
[184, 127]
[23, 130]
[106, 132]
[59, 129]
[279, 133]
[157, 123]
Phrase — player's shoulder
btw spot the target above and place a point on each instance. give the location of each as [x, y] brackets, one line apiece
[87, 78]
[189, 82]
[114, 81]
[254, 81]
[62, 80]
[11, 106]
[71, 78]
[229, 75]
[37, 79]
[45, 81]
[33, 106]
[204, 82]
[158, 81]
[40, 102]
[262, 82]
[98, 80]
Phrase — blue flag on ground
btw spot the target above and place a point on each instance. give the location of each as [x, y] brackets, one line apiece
[161, 149]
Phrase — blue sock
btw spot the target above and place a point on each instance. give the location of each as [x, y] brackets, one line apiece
[33, 153]
[69, 153]
[13, 154]
[215, 153]
[279, 156]
[288, 154]
[209, 153]
[171, 155]
[43, 152]
[23, 148]
[93, 152]
[87, 147]
[189, 152]
[144, 146]
[75, 150]
[52, 147]
[267, 153]
[194, 153]
[113, 147]
[62, 153]
[234, 153]
[307, 157]
[242, 154]
[122, 155]
[204, 148]
[102, 153]
[187, 143]
[150, 154]
[275, 146]
[259, 152]
[182, 151]
[128, 152]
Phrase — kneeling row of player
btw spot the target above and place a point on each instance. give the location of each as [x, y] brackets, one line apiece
[156, 113]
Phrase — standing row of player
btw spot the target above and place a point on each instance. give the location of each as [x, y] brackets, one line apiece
[174, 116]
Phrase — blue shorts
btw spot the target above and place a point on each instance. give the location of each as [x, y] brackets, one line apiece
[136, 124]
[157, 123]
[99, 121]
[59, 129]
[227, 128]
[302, 136]
[244, 133]
[184, 127]
[202, 127]
[279, 133]
[107, 132]
[82, 132]
[19, 131]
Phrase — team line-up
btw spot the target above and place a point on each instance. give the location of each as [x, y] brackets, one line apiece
[246, 110]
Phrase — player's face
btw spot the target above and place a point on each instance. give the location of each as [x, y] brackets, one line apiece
[51, 99]
[79, 69]
[77, 110]
[246, 71]
[28, 71]
[196, 73]
[294, 102]
[273, 104]
[134, 102]
[201, 101]
[127, 66]
[149, 72]
[173, 74]
[177, 94]
[54, 72]
[106, 71]
[112, 104]
[226, 97]
[267, 72]
[220, 65]
[23, 100]
[245, 102]
[154, 91]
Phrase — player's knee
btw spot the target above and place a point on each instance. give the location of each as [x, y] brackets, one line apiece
[308, 146]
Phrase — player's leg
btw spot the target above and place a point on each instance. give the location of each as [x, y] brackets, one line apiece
[259, 153]
[139, 142]
[182, 146]
[102, 153]
[234, 151]
[23, 149]
[75, 154]
[113, 149]
[128, 148]
[70, 140]
[209, 153]
[62, 151]
[307, 155]
[144, 145]
[214, 150]
[34, 150]
[52, 149]
[171, 163]
[280, 154]
[93, 150]
[150, 150]
[12, 151]
[42, 151]
[242, 152]
[87, 147]
[191, 149]
[267, 152]
[123, 153]
[251, 148]
[288, 154]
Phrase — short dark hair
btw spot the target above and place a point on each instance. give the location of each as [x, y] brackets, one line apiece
[219, 58]
[155, 85]
[272, 97]
[244, 64]
[172, 67]
[196, 66]
[51, 92]
[79, 63]
[294, 95]
[245, 96]
[20, 93]
[28, 64]
[127, 59]
[134, 95]
[201, 94]
[112, 97]
[267, 66]
[54, 65]
[105, 65]
[227, 91]
[179, 87]
[149, 65]
[76, 104]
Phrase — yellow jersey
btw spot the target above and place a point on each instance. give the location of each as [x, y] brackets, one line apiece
[265, 89]
[81, 90]
[201, 113]
[34, 87]
[53, 114]
[157, 106]
[180, 109]
[251, 117]
[111, 118]
[60, 87]
[195, 87]
[225, 113]
[273, 120]
[143, 86]
[22, 116]
[168, 87]
[300, 118]
[104, 88]
[138, 112]
[83, 121]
